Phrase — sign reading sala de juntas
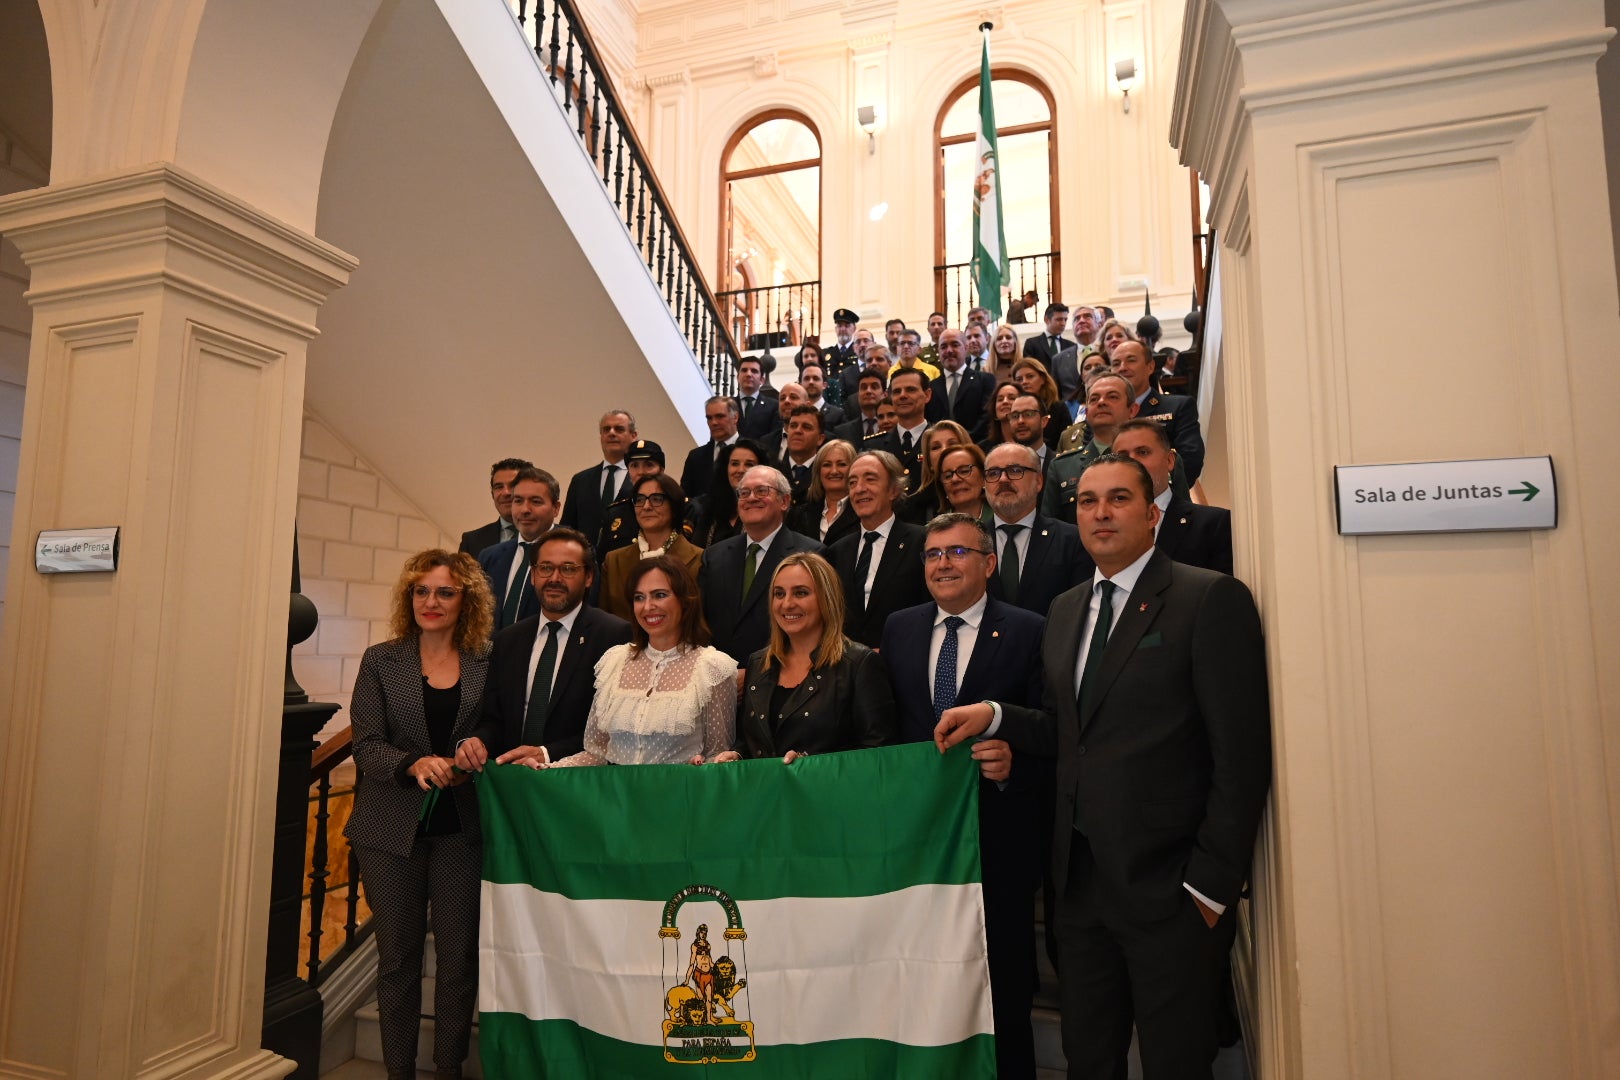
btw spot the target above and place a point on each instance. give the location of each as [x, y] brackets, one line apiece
[1482, 495]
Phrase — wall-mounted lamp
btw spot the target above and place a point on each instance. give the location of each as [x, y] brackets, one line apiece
[867, 115]
[1125, 76]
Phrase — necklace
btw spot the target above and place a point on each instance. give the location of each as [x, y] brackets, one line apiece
[429, 669]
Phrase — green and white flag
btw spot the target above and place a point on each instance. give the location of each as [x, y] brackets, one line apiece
[819, 919]
[989, 241]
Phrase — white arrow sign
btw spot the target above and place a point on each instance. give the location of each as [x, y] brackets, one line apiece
[1446, 496]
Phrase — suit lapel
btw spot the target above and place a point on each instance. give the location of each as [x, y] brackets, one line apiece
[412, 719]
[1142, 607]
[473, 677]
[767, 564]
[569, 663]
[985, 650]
[895, 548]
[1173, 530]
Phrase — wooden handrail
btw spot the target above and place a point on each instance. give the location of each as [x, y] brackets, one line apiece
[332, 753]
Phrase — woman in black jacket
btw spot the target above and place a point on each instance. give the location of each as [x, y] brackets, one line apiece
[811, 690]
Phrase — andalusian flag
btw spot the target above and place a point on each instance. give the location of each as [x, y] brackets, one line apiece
[989, 242]
[819, 919]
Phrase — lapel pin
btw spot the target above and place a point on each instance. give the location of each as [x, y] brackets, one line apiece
[1142, 608]
[582, 639]
[1184, 521]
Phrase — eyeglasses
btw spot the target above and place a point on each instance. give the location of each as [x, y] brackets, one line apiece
[1023, 414]
[445, 593]
[761, 492]
[961, 472]
[567, 569]
[657, 499]
[955, 553]
[1011, 472]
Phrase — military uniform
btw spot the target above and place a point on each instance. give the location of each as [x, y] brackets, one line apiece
[912, 462]
[1063, 480]
[837, 359]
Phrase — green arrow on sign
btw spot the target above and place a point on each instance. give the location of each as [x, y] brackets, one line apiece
[1529, 490]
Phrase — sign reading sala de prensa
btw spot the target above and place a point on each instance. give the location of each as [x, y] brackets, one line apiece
[1483, 495]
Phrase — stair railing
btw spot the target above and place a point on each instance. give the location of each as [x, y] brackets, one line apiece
[585, 91]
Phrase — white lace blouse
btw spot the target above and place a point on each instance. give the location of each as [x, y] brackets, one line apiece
[660, 708]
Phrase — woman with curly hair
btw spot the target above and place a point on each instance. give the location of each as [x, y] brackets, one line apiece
[712, 516]
[414, 696]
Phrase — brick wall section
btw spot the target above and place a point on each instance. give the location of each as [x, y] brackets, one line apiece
[355, 531]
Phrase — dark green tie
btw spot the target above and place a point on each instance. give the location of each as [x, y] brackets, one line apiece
[534, 718]
[609, 489]
[1099, 642]
[1009, 563]
[749, 567]
[514, 595]
[863, 567]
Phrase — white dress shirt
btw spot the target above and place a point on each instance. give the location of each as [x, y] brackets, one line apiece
[541, 633]
[967, 636]
[1162, 501]
[878, 545]
[1020, 541]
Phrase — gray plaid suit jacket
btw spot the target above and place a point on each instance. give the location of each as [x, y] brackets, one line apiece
[390, 734]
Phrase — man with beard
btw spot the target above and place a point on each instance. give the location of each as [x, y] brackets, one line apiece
[534, 508]
[542, 669]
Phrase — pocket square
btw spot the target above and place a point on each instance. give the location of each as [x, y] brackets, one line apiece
[1151, 640]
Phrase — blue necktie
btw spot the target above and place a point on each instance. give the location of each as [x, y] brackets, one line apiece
[945, 670]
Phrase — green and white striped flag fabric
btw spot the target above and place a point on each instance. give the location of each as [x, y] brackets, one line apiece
[819, 919]
[989, 239]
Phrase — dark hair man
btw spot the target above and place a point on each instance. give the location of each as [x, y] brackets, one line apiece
[908, 389]
[958, 393]
[1177, 412]
[502, 474]
[1187, 531]
[541, 681]
[804, 436]
[1152, 668]
[757, 411]
[864, 420]
[534, 510]
[720, 413]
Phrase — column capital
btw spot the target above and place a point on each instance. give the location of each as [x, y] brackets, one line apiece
[162, 225]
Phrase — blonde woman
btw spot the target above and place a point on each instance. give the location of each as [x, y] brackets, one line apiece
[811, 690]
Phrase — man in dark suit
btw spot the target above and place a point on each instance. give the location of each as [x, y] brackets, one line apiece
[908, 389]
[863, 418]
[542, 670]
[1045, 347]
[1156, 696]
[591, 490]
[720, 413]
[880, 566]
[735, 575]
[506, 565]
[1037, 557]
[967, 646]
[1187, 531]
[1177, 412]
[960, 394]
[757, 411]
[502, 475]
[813, 378]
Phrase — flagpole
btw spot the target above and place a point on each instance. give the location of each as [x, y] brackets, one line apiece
[989, 238]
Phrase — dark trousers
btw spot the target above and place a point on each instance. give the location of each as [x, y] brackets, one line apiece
[439, 879]
[1120, 968]
[1011, 868]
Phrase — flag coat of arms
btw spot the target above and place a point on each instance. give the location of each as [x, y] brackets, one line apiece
[817, 919]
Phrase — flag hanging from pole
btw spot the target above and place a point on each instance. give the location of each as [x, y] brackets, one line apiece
[989, 241]
[818, 919]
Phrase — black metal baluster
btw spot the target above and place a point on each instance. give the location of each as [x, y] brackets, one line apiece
[556, 45]
[641, 209]
[618, 171]
[318, 874]
[568, 68]
[658, 277]
[584, 77]
[596, 123]
[351, 924]
[523, 6]
[607, 154]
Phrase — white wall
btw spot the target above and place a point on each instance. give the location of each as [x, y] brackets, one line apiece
[703, 69]
[355, 531]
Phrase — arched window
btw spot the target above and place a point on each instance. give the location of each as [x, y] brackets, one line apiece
[1026, 143]
[770, 229]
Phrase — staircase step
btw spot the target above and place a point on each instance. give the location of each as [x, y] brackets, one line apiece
[368, 1039]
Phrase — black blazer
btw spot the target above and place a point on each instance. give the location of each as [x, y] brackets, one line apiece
[497, 564]
[1166, 774]
[1038, 347]
[852, 431]
[391, 735]
[1179, 415]
[973, 396]
[890, 441]
[831, 416]
[740, 625]
[760, 419]
[698, 471]
[897, 583]
[1197, 535]
[500, 718]
[844, 706]
[582, 506]
[805, 520]
[1053, 563]
[485, 536]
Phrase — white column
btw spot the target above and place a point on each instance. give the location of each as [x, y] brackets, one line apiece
[1417, 265]
[139, 709]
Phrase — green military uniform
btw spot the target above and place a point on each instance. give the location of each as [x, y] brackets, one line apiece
[1063, 479]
